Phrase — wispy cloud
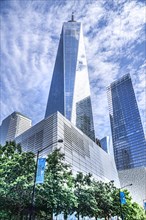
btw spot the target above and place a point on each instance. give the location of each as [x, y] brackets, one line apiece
[114, 41]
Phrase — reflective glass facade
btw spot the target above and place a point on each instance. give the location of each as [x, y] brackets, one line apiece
[69, 92]
[105, 144]
[127, 132]
[12, 126]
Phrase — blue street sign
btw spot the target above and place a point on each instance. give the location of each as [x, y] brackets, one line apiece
[144, 204]
[122, 198]
[40, 170]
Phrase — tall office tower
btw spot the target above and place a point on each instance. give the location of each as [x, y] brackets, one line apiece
[105, 144]
[127, 132]
[69, 92]
[12, 126]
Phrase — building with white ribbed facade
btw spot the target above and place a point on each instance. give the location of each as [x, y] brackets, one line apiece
[136, 176]
[12, 126]
[80, 151]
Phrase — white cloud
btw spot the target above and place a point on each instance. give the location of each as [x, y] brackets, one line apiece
[30, 36]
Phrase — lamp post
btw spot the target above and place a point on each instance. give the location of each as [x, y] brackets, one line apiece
[35, 174]
[121, 214]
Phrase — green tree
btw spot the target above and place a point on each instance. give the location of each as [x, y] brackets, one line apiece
[56, 194]
[85, 196]
[60, 192]
[16, 177]
[131, 210]
[104, 196]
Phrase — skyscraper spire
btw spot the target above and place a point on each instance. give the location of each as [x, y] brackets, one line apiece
[72, 18]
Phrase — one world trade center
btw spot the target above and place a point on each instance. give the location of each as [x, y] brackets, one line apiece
[70, 91]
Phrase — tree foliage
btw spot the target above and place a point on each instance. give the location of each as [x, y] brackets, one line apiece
[56, 194]
[85, 196]
[61, 191]
[16, 177]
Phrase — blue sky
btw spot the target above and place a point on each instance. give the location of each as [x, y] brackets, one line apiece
[114, 35]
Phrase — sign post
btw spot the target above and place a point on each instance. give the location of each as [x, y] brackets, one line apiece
[122, 199]
[144, 205]
[39, 176]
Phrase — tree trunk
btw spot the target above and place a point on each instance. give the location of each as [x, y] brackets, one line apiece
[21, 215]
[52, 214]
[65, 216]
[78, 216]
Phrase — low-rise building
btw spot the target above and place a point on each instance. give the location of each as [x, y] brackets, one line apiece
[80, 151]
[136, 177]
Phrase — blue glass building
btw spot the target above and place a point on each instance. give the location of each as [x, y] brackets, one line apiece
[127, 132]
[69, 92]
[105, 144]
[12, 126]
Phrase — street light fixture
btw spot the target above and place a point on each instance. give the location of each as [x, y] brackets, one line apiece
[126, 186]
[121, 214]
[35, 174]
[112, 181]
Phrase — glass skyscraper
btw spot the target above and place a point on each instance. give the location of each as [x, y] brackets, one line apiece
[127, 132]
[105, 144]
[12, 126]
[69, 92]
